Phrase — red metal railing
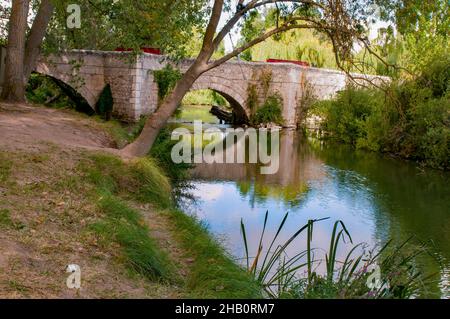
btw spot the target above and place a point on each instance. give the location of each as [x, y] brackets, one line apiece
[301, 63]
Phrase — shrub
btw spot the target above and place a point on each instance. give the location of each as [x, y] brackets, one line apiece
[410, 119]
[105, 103]
[166, 79]
[270, 111]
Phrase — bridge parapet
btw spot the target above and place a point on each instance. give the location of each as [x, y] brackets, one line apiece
[135, 92]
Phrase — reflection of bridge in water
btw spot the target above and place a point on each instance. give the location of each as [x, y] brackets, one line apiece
[296, 167]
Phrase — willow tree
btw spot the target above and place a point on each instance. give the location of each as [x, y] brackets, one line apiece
[344, 22]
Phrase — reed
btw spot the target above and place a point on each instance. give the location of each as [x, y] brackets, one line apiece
[283, 276]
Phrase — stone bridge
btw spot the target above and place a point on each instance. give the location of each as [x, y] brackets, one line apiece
[135, 93]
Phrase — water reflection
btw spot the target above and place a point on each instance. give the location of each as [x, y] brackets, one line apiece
[378, 198]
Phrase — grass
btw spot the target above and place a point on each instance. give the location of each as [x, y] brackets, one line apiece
[5, 219]
[213, 273]
[6, 222]
[280, 274]
[5, 167]
[139, 180]
[127, 227]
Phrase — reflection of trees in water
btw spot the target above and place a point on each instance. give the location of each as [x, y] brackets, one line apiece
[408, 200]
[298, 166]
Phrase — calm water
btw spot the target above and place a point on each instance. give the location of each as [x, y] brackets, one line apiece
[378, 198]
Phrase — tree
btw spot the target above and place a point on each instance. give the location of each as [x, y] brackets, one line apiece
[343, 21]
[21, 54]
[106, 25]
[13, 86]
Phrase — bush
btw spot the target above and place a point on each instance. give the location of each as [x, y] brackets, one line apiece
[105, 103]
[409, 119]
[166, 79]
[269, 112]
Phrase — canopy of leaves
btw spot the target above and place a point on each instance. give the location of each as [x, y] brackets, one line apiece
[108, 24]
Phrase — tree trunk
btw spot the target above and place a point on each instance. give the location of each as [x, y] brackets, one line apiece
[142, 145]
[14, 85]
[37, 33]
[156, 122]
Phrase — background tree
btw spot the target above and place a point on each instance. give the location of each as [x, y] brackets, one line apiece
[344, 22]
[106, 24]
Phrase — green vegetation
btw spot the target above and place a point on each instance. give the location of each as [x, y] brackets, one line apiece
[348, 278]
[410, 119]
[44, 90]
[269, 112]
[161, 152]
[5, 168]
[105, 103]
[302, 45]
[166, 79]
[204, 97]
[213, 273]
[5, 219]
[127, 227]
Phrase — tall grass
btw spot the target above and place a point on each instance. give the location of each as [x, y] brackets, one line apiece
[126, 226]
[283, 276]
[141, 181]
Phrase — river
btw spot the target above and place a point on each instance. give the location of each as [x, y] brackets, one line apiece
[377, 197]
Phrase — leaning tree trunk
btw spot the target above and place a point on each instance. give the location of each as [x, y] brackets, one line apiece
[14, 86]
[142, 145]
[156, 122]
[37, 33]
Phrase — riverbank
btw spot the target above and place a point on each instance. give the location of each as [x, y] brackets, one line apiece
[68, 199]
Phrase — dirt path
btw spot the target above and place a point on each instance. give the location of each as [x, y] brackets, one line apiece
[24, 127]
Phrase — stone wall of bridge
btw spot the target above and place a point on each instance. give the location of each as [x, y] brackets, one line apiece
[135, 93]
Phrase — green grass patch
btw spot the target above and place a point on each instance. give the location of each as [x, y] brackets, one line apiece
[140, 179]
[213, 274]
[6, 222]
[126, 227]
[5, 219]
[5, 167]
[269, 112]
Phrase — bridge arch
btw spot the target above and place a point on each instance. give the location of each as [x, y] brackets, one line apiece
[84, 86]
[234, 95]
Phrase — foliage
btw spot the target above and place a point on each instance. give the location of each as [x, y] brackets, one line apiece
[105, 103]
[303, 45]
[161, 152]
[43, 90]
[166, 79]
[252, 97]
[213, 274]
[193, 46]
[283, 276]
[108, 24]
[141, 180]
[270, 111]
[125, 226]
[411, 119]
[204, 97]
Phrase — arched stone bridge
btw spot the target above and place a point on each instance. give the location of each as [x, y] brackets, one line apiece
[135, 93]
